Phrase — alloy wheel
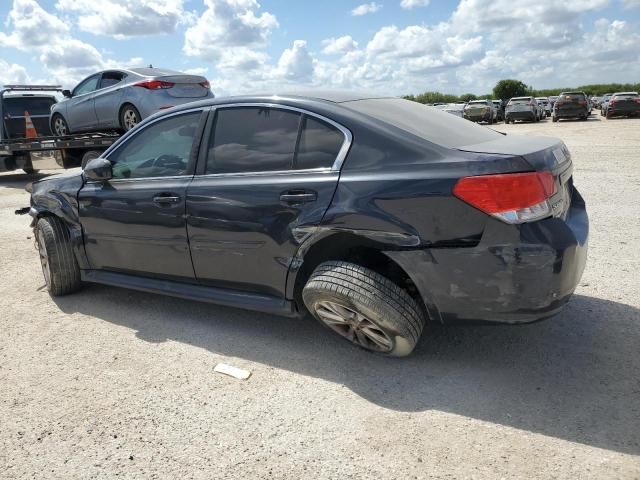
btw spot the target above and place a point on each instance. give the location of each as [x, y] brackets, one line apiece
[130, 119]
[60, 126]
[44, 259]
[353, 326]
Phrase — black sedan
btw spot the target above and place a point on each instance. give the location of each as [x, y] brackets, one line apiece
[374, 214]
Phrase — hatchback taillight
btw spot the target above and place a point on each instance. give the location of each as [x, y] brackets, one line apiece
[154, 84]
[511, 197]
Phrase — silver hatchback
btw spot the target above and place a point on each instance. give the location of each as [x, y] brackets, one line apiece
[120, 99]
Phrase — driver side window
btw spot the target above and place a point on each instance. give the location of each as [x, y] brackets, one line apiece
[159, 150]
[89, 85]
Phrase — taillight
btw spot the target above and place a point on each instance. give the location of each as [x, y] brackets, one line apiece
[511, 197]
[206, 84]
[154, 84]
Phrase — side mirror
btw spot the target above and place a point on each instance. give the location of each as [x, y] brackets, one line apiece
[98, 169]
[66, 93]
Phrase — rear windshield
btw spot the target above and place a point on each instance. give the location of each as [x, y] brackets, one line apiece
[519, 101]
[16, 106]
[478, 102]
[626, 96]
[573, 97]
[428, 123]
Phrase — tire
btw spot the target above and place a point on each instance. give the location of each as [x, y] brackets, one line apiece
[506, 121]
[59, 265]
[129, 117]
[59, 126]
[554, 119]
[88, 156]
[386, 319]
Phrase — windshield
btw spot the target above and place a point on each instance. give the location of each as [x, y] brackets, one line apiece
[428, 123]
[16, 106]
[572, 97]
[519, 101]
[626, 96]
[478, 102]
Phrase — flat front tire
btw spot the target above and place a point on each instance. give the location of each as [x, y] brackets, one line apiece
[59, 266]
[364, 307]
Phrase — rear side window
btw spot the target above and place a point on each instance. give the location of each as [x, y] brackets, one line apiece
[253, 139]
[319, 145]
[16, 106]
[111, 78]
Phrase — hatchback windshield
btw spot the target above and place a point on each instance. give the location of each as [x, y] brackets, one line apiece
[428, 123]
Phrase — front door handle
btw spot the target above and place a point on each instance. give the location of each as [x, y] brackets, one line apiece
[166, 198]
[298, 196]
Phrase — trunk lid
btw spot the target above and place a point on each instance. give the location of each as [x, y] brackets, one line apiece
[186, 86]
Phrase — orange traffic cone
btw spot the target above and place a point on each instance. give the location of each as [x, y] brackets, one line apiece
[29, 129]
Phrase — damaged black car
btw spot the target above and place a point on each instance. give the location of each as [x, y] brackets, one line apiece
[376, 215]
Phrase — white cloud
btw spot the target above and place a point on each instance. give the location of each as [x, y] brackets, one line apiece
[231, 31]
[409, 4]
[366, 8]
[126, 18]
[339, 45]
[12, 73]
[296, 63]
[32, 26]
[628, 4]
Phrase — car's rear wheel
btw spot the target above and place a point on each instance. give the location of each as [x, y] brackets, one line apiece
[129, 117]
[364, 307]
[59, 266]
[554, 118]
[59, 125]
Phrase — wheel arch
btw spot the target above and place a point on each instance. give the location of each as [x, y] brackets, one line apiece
[350, 247]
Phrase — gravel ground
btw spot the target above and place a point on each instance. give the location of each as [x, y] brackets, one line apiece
[113, 383]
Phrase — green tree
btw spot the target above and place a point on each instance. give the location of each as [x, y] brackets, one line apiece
[509, 88]
[467, 97]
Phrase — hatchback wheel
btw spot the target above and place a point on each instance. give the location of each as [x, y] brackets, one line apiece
[59, 125]
[364, 307]
[59, 266]
[129, 117]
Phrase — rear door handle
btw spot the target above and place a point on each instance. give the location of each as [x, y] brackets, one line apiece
[166, 198]
[298, 196]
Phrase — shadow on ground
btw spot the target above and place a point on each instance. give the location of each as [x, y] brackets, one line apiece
[574, 377]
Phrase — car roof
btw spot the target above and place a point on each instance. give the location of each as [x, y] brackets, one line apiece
[521, 98]
[626, 93]
[335, 96]
[28, 95]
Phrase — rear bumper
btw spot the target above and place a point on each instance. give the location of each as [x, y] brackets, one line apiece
[484, 117]
[520, 116]
[623, 112]
[527, 279]
[571, 112]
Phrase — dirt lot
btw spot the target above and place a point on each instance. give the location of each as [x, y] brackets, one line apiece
[113, 383]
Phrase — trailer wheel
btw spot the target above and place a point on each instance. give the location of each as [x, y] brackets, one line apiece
[88, 156]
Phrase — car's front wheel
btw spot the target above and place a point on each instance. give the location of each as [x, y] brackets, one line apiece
[59, 266]
[129, 117]
[364, 307]
[59, 125]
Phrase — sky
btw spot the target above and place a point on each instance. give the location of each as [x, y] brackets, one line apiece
[393, 47]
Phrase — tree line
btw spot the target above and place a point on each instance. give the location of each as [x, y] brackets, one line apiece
[509, 88]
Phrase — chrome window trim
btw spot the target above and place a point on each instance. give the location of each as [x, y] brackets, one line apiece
[342, 153]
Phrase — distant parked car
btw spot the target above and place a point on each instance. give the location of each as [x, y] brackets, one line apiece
[552, 101]
[120, 99]
[605, 103]
[571, 105]
[456, 109]
[546, 106]
[624, 104]
[522, 108]
[480, 111]
[499, 105]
